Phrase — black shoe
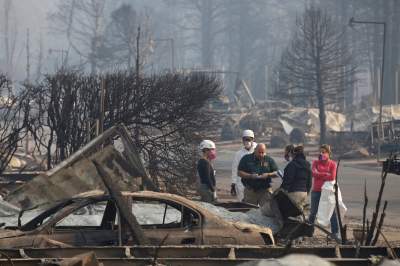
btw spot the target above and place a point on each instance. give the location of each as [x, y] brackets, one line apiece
[309, 230]
[335, 237]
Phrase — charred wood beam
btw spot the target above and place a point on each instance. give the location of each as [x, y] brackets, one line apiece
[390, 250]
[124, 209]
[342, 229]
[380, 224]
[375, 214]
[364, 212]
[199, 253]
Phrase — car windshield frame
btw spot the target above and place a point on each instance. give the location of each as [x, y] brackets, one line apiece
[57, 212]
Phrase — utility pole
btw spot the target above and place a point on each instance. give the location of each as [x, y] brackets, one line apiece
[40, 60]
[28, 80]
[137, 53]
[28, 66]
[136, 129]
[8, 49]
[102, 99]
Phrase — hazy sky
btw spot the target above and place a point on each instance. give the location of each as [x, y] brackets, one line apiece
[29, 14]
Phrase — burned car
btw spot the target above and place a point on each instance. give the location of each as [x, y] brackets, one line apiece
[94, 219]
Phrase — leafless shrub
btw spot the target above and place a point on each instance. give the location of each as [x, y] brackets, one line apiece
[164, 113]
[13, 119]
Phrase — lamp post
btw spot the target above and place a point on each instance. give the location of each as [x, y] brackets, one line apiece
[380, 130]
[171, 40]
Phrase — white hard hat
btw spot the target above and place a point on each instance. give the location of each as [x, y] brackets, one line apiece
[248, 133]
[207, 144]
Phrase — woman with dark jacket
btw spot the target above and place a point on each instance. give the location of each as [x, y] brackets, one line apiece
[206, 171]
[297, 175]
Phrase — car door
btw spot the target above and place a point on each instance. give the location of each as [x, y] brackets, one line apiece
[166, 222]
[90, 224]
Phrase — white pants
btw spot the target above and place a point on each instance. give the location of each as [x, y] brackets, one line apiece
[239, 190]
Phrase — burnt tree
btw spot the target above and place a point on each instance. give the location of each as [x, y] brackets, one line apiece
[14, 110]
[120, 39]
[81, 22]
[317, 66]
[164, 113]
[63, 106]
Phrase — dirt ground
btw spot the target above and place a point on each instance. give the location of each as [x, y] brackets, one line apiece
[352, 175]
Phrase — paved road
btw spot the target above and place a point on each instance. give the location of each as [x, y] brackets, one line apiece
[352, 175]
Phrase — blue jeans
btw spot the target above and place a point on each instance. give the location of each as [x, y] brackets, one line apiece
[315, 196]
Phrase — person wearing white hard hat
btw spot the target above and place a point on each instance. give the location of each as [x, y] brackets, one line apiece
[206, 171]
[237, 188]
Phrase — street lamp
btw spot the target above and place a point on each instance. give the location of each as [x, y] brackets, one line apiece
[380, 130]
[171, 40]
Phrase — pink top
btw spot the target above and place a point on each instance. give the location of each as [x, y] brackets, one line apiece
[321, 172]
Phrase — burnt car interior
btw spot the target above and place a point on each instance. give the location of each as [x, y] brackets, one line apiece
[97, 219]
[166, 214]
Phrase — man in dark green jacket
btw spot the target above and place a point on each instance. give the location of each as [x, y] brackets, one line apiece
[256, 170]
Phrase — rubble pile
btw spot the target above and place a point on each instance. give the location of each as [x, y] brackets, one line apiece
[279, 119]
[253, 216]
[279, 123]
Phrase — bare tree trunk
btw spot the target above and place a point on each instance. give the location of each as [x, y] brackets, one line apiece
[377, 54]
[322, 116]
[92, 57]
[206, 33]
[81, 22]
[348, 90]
[388, 81]
[242, 40]
[40, 60]
[394, 51]
[9, 42]
[7, 7]
[320, 98]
